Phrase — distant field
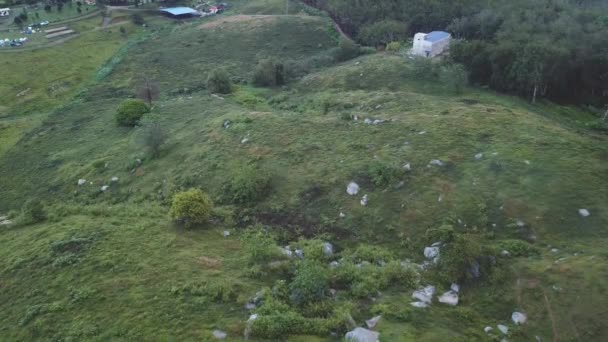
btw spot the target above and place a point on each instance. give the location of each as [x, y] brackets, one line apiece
[111, 266]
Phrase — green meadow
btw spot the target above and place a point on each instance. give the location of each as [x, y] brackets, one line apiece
[488, 173]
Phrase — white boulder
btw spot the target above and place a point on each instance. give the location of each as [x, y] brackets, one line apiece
[362, 335]
[352, 188]
[487, 329]
[584, 212]
[424, 294]
[82, 181]
[372, 322]
[519, 318]
[364, 200]
[105, 187]
[328, 249]
[455, 287]
[419, 304]
[220, 335]
[503, 328]
[431, 252]
[450, 298]
[478, 156]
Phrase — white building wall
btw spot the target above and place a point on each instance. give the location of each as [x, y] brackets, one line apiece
[424, 48]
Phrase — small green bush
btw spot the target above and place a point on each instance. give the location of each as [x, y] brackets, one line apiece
[269, 73]
[191, 207]
[260, 245]
[517, 248]
[310, 283]
[382, 174]
[247, 184]
[130, 112]
[32, 212]
[346, 50]
[219, 82]
[458, 256]
[394, 46]
[424, 69]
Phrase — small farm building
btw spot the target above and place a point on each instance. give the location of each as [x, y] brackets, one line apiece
[180, 12]
[431, 44]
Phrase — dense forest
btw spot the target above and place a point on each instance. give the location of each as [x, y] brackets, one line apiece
[556, 49]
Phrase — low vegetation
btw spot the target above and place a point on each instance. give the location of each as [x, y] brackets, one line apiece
[130, 112]
[191, 208]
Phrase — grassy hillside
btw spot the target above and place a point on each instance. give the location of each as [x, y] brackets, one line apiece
[111, 266]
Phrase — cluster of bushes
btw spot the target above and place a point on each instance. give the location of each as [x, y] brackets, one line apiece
[382, 174]
[130, 112]
[219, 82]
[191, 207]
[454, 77]
[246, 185]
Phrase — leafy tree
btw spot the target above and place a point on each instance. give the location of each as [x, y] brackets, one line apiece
[383, 32]
[269, 72]
[191, 207]
[218, 81]
[148, 89]
[154, 135]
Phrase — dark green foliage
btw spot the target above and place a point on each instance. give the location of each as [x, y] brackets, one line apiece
[383, 32]
[269, 72]
[218, 81]
[382, 174]
[517, 248]
[310, 283]
[346, 50]
[137, 19]
[130, 112]
[424, 69]
[246, 184]
[459, 257]
[32, 212]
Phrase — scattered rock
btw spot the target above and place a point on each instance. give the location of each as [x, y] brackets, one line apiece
[474, 269]
[431, 252]
[334, 264]
[245, 140]
[342, 215]
[584, 212]
[82, 181]
[328, 249]
[226, 124]
[249, 306]
[364, 200]
[372, 322]
[104, 188]
[450, 298]
[440, 198]
[419, 304]
[220, 335]
[503, 328]
[299, 253]
[378, 106]
[114, 179]
[4, 221]
[554, 250]
[505, 253]
[226, 233]
[424, 294]
[286, 251]
[527, 162]
[519, 318]
[407, 167]
[478, 156]
[333, 292]
[455, 287]
[377, 122]
[520, 223]
[362, 335]
[436, 162]
[487, 329]
[352, 188]
[422, 132]
[368, 121]
[437, 244]
[138, 161]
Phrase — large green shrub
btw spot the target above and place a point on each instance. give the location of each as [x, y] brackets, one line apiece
[382, 174]
[218, 81]
[454, 77]
[260, 244]
[130, 112]
[346, 50]
[191, 207]
[246, 184]
[269, 73]
[32, 212]
[310, 283]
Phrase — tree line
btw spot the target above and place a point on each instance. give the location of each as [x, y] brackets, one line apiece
[557, 49]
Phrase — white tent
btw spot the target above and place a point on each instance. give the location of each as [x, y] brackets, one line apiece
[4, 12]
[431, 44]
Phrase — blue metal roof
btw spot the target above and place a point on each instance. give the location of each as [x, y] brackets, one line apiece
[436, 36]
[179, 10]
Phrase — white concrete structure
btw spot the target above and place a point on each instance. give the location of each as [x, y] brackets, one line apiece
[5, 12]
[431, 44]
